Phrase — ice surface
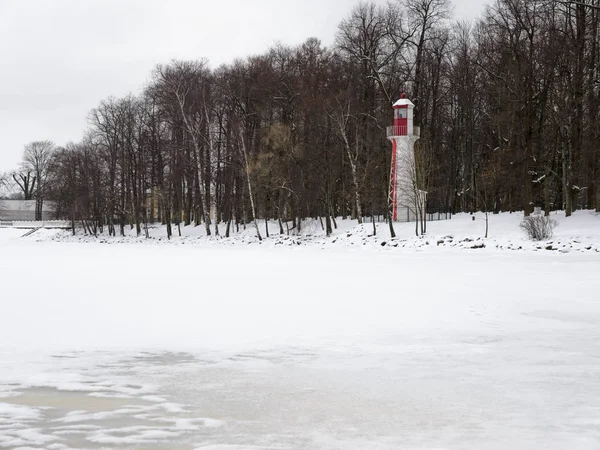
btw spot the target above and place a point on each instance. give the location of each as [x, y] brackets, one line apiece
[302, 347]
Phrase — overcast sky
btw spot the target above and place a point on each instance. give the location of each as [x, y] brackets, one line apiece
[59, 58]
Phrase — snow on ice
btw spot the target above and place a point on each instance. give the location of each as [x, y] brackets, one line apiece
[337, 343]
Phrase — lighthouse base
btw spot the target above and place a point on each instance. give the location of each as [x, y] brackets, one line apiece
[406, 214]
[411, 209]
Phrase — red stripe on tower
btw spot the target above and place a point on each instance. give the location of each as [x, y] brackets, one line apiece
[394, 182]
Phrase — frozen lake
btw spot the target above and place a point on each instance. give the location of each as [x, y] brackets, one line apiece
[185, 347]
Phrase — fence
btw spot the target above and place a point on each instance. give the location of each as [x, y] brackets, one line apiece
[32, 224]
[408, 215]
[438, 215]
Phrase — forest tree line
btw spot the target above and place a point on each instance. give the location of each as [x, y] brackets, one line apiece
[508, 107]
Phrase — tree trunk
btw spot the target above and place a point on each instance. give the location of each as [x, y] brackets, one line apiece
[247, 165]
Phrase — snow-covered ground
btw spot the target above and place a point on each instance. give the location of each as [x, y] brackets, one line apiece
[311, 346]
[578, 233]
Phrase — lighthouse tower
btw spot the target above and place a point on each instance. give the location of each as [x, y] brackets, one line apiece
[406, 199]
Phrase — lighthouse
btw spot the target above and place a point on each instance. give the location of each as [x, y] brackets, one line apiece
[408, 202]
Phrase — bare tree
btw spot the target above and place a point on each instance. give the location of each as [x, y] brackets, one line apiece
[182, 80]
[25, 182]
[37, 158]
[4, 181]
[424, 15]
[340, 118]
[242, 145]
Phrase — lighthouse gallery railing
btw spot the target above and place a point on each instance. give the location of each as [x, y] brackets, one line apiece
[402, 131]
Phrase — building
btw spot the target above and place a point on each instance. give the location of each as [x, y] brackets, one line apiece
[407, 200]
[24, 210]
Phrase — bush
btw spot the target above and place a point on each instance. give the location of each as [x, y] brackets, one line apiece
[538, 228]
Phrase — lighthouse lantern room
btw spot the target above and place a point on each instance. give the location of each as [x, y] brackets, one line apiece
[406, 199]
[403, 117]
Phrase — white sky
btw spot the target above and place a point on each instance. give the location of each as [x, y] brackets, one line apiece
[59, 58]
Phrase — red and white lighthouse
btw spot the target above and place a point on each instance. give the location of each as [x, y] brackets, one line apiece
[406, 198]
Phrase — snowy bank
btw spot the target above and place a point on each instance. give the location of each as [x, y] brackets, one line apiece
[579, 233]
